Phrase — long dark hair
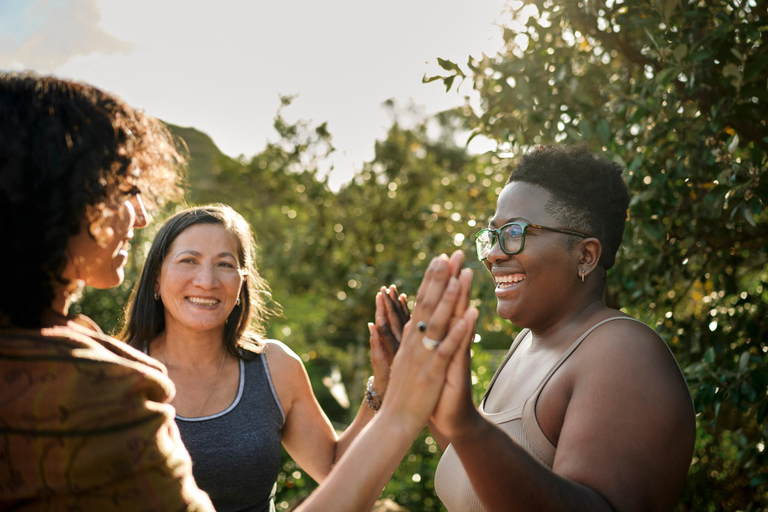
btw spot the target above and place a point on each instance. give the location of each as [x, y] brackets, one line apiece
[69, 152]
[145, 316]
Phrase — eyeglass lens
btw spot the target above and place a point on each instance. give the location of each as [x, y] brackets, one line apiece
[511, 239]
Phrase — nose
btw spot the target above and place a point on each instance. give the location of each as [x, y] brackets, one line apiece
[495, 254]
[142, 217]
[205, 277]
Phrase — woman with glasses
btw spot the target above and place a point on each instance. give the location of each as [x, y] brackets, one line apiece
[589, 410]
[199, 308]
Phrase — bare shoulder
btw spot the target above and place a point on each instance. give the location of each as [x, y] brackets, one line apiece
[288, 373]
[627, 350]
[279, 353]
[630, 418]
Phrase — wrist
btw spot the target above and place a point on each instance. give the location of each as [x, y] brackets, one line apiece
[372, 397]
[467, 429]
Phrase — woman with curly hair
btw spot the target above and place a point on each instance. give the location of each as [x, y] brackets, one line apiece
[85, 421]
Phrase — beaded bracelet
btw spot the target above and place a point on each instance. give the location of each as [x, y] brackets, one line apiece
[371, 396]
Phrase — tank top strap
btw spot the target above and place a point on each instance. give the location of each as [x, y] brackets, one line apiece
[573, 348]
[518, 339]
[539, 442]
[268, 375]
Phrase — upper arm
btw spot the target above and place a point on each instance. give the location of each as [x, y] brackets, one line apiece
[307, 435]
[629, 427]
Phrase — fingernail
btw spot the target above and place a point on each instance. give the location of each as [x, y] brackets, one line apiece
[370, 327]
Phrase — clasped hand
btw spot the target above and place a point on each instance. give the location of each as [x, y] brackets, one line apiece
[427, 382]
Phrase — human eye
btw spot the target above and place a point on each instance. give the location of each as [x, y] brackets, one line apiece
[187, 261]
[512, 230]
[226, 264]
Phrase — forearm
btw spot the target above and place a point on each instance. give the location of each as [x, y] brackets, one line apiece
[507, 478]
[361, 474]
[364, 415]
[442, 441]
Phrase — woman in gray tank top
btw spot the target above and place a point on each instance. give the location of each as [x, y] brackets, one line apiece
[198, 308]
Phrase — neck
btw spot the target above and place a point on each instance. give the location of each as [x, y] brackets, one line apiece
[562, 330]
[189, 348]
[63, 295]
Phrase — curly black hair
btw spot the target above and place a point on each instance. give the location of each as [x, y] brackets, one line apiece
[588, 192]
[67, 151]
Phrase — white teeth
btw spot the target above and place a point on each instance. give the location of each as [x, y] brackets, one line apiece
[508, 279]
[203, 302]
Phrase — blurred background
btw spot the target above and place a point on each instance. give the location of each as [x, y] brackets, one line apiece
[360, 140]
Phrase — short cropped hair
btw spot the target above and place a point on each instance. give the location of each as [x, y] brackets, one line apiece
[588, 192]
[68, 152]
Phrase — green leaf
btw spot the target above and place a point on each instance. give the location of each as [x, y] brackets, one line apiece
[449, 82]
[709, 355]
[744, 361]
[665, 76]
[731, 70]
[747, 214]
[450, 66]
[425, 79]
[680, 52]
[702, 54]
[603, 131]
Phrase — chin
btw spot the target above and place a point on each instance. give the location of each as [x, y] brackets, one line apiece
[107, 281]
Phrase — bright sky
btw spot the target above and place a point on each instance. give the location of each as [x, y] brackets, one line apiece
[220, 66]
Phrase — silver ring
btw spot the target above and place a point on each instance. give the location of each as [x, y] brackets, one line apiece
[429, 343]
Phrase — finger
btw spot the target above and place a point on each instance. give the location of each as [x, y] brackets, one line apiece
[380, 363]
[456, 339]
[437, 324]
[432, 286]
[395, 314]
[403, 298]
[436, 267]
[390, 337]
[457, 258]
[465, 288]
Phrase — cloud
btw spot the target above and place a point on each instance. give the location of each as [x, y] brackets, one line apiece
[45, 34]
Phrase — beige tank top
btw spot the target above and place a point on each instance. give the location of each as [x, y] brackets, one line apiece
[452, 482]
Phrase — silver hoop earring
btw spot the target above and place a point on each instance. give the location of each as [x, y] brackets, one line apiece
[237, 302]
[157, 297]
[581, 273]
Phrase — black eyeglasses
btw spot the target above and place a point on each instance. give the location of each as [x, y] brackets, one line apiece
[511, 238]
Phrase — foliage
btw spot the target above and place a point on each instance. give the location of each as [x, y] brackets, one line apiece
[676, 92]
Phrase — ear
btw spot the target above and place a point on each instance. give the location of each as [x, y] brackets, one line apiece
[589, 251]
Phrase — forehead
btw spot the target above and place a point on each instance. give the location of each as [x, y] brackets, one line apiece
[522, 201]
[205, 239]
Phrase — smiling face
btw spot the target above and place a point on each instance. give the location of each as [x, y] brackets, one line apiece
[534, 286]
[98, 253]
[200, 280]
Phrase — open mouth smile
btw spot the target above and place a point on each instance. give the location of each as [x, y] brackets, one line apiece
[508, 281]
[199, 301]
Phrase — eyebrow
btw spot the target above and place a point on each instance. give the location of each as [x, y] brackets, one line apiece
[198, 254]
[493, 222]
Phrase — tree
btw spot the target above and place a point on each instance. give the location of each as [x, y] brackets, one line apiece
[675, 90]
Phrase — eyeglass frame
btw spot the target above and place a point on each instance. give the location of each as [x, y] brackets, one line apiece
[496, 233]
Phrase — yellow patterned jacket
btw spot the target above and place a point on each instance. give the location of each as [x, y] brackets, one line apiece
[85, 424]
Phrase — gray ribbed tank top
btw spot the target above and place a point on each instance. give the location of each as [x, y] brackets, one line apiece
[236, 453]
